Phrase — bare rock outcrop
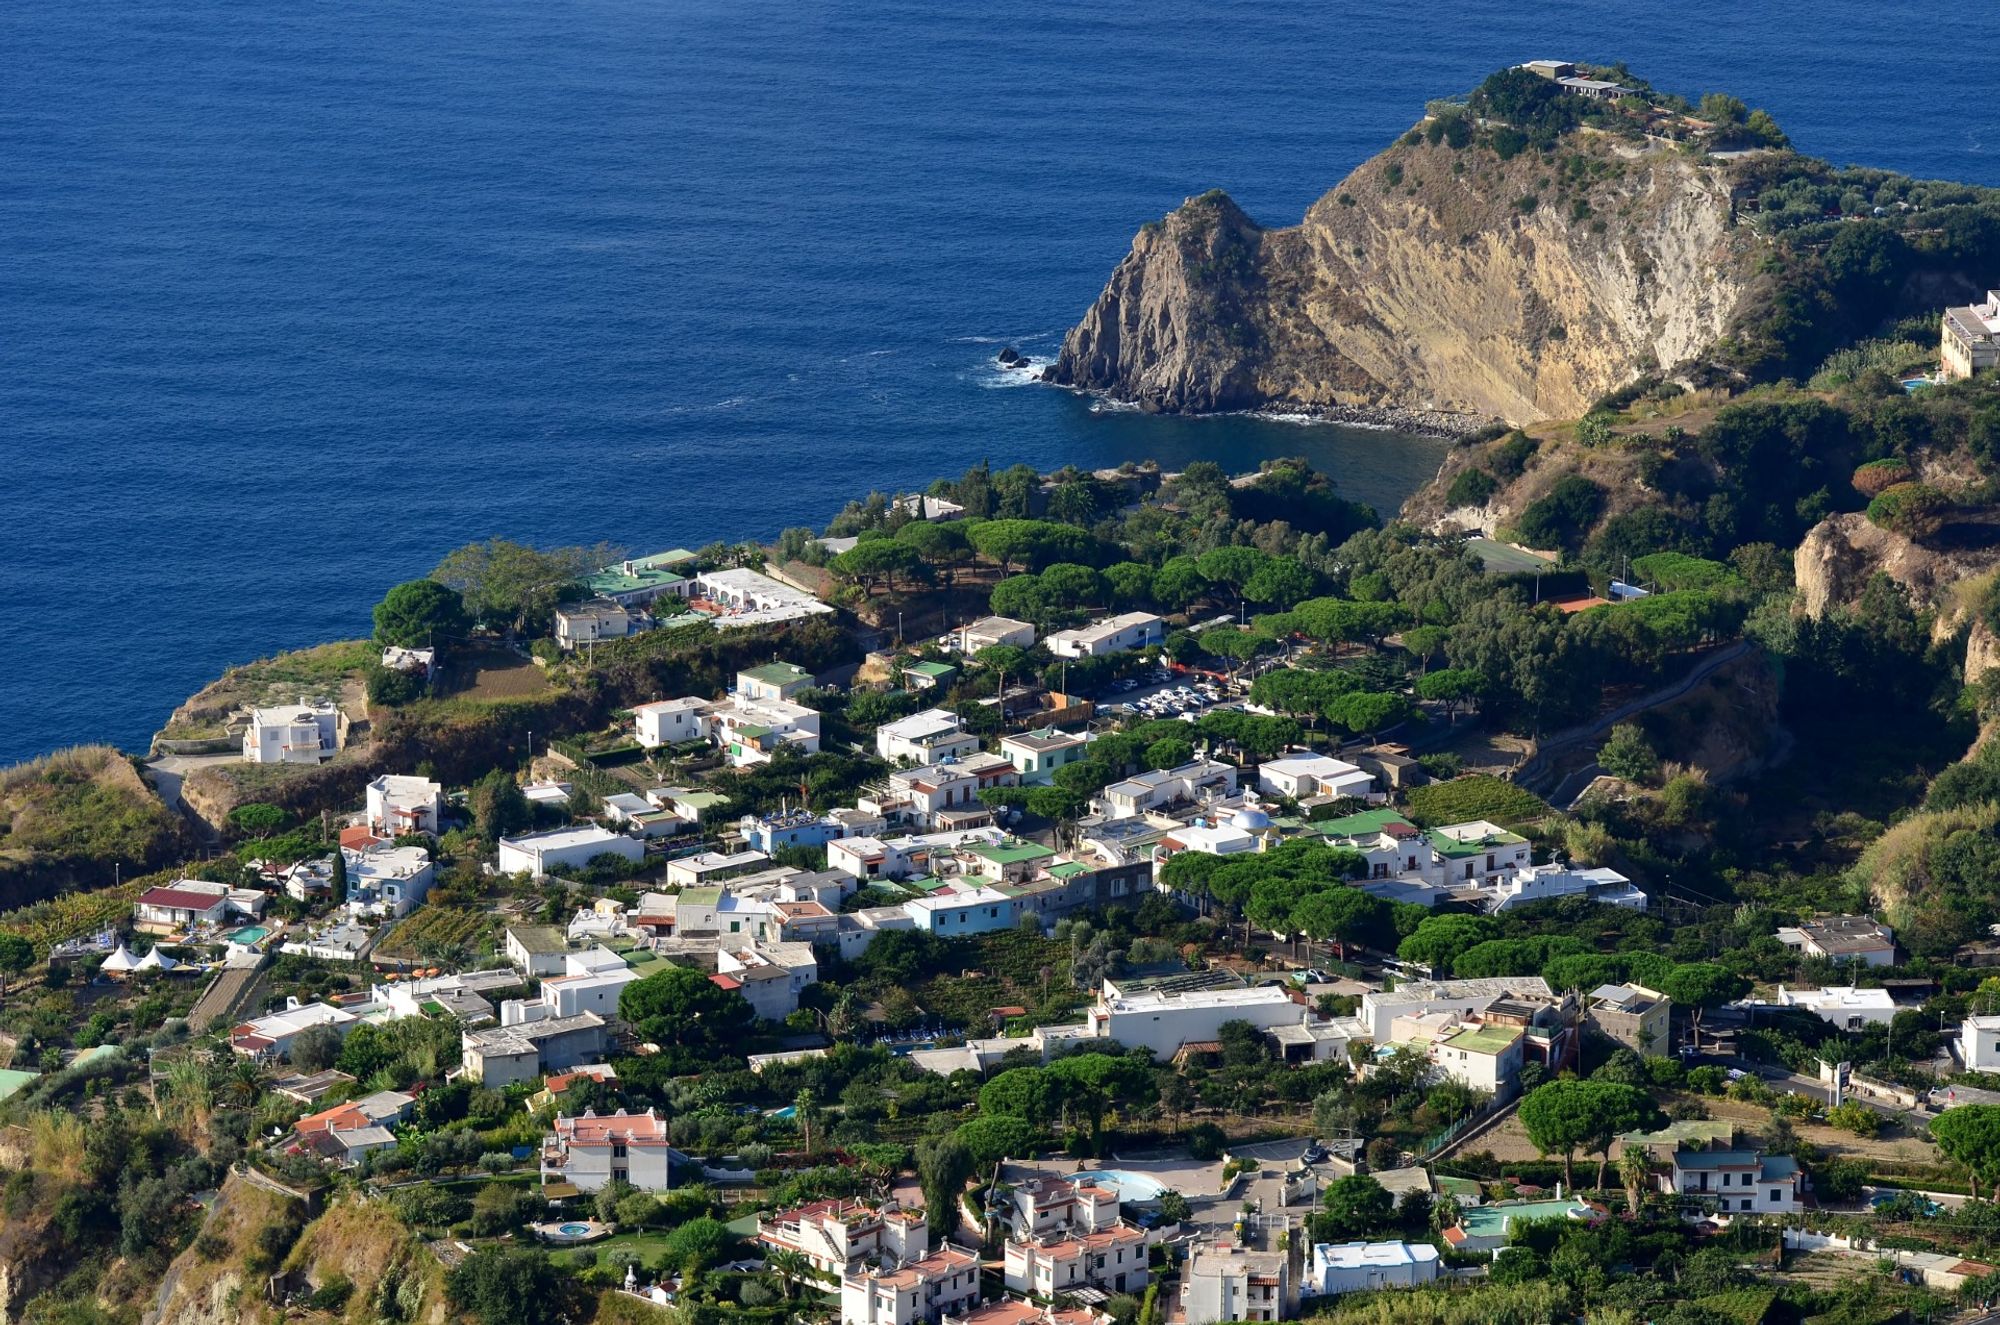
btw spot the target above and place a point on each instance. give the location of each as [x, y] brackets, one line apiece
[1842, 553]
[1429, 279]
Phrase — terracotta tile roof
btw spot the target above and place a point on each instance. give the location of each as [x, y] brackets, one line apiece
[180, 898]
[601, 1129]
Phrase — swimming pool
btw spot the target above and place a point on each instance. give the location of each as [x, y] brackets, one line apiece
[251, 934]
[1130, 1186]
[574, 1230]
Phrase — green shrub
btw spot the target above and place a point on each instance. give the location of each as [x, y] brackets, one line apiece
[1914, 510]
[1480, 796]
[1471, 488]
[1561, 517]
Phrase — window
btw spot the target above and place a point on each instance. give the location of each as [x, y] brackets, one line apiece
[1777, 1195]
[1747, 1203]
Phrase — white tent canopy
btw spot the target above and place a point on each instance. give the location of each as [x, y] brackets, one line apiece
[121, 960]
[155, 961]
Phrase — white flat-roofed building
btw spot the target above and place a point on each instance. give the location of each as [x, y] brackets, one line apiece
[1048, 1205]
[536, 949]
[1739, 1181]
[386, 880]
[1544, 883]
[1224, 1283]
[713, 867]
[769, 976]
[400, 804]
[749, 731]
[671, 722]
[924, 738]
[1161, 1022]
[537, 853]
[1979, 1044]
[1970, 340]
[1301, 777]
[271, 1036]
[1118, 634]
[1359, 1267]
[504, 1055]
[751, 598]
[591, 622]
[1036, 755]
[990, 632]
[589, 983]
[1198, 780]
[308, 732]
[1468, 998]
[1861, 939]
[1845, 1006]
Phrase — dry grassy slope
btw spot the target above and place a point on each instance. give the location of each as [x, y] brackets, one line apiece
[1428, 278]
[1613, 468]
[365, 1242]
[218, 1290]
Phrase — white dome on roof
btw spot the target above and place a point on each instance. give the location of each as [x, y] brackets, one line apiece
[1250, 819]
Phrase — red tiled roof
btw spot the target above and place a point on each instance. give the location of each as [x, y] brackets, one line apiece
[597, 1129]
[180, 898]
[725, 981]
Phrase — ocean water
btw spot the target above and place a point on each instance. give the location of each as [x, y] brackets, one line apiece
[296, 297]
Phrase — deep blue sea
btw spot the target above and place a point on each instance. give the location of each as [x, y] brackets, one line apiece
[294, 297]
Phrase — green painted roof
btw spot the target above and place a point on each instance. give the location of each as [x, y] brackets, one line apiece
[1484, 1039]
[707, 896]
[701, 800]
[1068, 869]
[1011, 852]
[1360, 825]
[934, 670]
[778, 673]
[753, 731]
[1453, 849]
[540, 938]
[12, 1081]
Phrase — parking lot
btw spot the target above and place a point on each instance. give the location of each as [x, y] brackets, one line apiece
[1160, 694]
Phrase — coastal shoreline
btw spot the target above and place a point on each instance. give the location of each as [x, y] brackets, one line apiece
[1443, 425]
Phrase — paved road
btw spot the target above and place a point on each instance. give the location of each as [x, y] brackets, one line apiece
[1536, 771]
[168, 771]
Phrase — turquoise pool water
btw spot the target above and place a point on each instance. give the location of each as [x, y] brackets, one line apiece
[1131, 1186]
[249, 935]
[574, 1230]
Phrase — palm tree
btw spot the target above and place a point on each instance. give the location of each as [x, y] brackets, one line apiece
[805, 1108]
[1635, 1170]
[791, 1267]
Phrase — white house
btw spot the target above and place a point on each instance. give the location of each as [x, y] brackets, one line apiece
[750, 598]
[576, 846]
[271, 1036]
[751, 730]
[769, 976]
[180, 904]
[946, 1281]
[1111, 1259]
[1223, 1283]
[1979, 1044]
[989, 632]
[538, 950]
[1477, 852]
[591, 981]
[671, 722]
[1542, 883]
[417, 662]
[713, 867]
[593, 1150]
[1741, 1181]
[1847, 1007]
[1302, 777]
[500, 1056]
[1161, 1021]
[386, 880]
[1201, 779]
[589, 622]
[924, 738]
[1468, 998]
[1487, 1058]
[1359, 1267]
[400, 804]
[308, 732]
[1049, 1205]
[836, 1235]
[1036, 755]
[1118, 634]
[1861, 939]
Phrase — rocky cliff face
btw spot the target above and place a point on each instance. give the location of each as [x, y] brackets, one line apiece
[1431, 278]
[1841, 554]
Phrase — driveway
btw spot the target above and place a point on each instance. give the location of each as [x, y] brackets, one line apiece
[168, 772]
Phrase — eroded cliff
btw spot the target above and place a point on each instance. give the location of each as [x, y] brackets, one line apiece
[1431, 278]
